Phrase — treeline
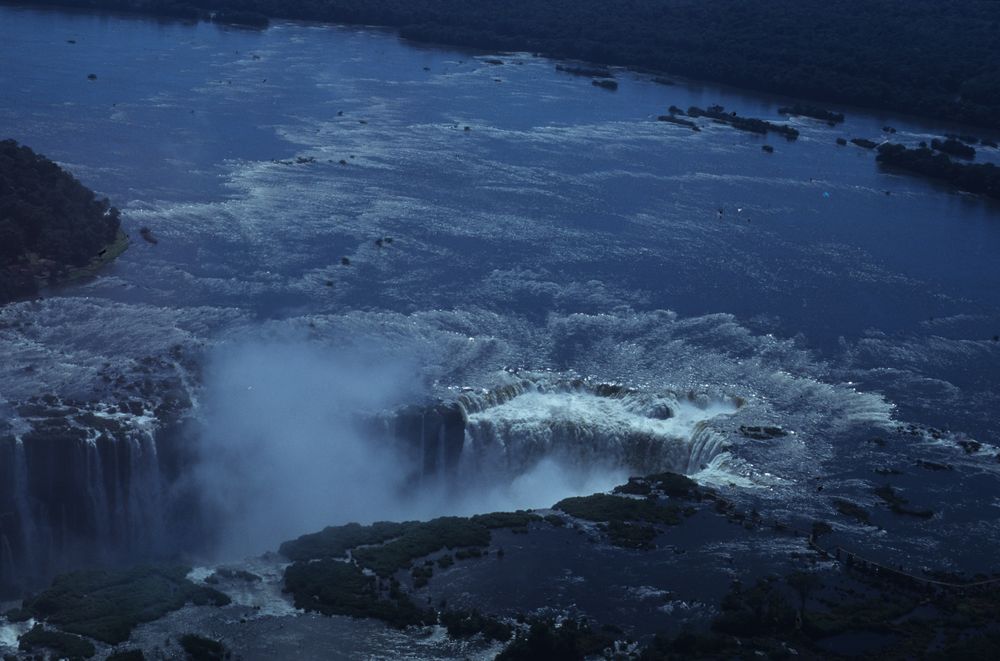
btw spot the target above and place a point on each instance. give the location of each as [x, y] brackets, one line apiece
[925, 57]
[981, 178]
[49, 221]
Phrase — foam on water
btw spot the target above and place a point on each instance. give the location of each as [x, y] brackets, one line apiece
[11, 631]
[584, 424]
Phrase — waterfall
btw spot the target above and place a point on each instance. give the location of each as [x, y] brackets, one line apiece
[506, 430]
[78, 488]
[92, 484]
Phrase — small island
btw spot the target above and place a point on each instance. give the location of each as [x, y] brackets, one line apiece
[980, 178]
[953, 147]
[823, 114]
[606, 83]
[52, 228]
[751, 124]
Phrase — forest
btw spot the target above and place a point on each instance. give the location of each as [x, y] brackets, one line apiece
[922, 57]
[981, 178]
[49, 221]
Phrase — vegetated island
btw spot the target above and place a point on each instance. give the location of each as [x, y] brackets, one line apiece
[52, 227]
[751, 124]
[814, 600]
[981, 178]
[914, 56]
[827, 116]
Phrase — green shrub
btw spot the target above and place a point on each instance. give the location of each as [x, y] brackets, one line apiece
[63, 644]
[127, 655]
[199, 648]
[420, 540]
[602, 507]
[332, 587]
[107, 604]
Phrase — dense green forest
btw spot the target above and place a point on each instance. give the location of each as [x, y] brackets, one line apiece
[49, 221]
[981, 178]
[925, 57]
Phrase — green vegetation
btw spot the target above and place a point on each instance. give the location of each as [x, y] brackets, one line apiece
[387, 547]
[514, 520]
[630, 535]
[980, 178]
[51, 225]
[63, 644]
[321, 579]
[750, 124]
[545, 641]
[127, 655]
[334, 587]
[636, 486]
[673, 485]
[602, 507]
[555, 520]
[465, 624]
[954, 147]
[421, 574]
[804, 110]
[915, 56]
[107, 604]
[420, 540]
[225, 573]
[626, 520]
[199, 648]
[336, 541]
[802, 610]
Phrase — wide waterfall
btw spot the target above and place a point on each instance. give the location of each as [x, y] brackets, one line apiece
[85, 483]
[499, 433]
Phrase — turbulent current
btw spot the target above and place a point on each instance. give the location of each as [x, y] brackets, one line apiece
[394, 283]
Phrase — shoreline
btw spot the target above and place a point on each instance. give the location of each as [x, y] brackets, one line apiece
[43, 279]
[423, 24]
[111, 251]
[941, 123]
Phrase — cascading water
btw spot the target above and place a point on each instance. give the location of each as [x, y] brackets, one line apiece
[99, 483]
[80, 484]
[500, 433]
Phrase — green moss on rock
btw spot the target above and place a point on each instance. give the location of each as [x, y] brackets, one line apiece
[107, 604]
[603, 507]
[333, 587]
[199, 648]
[66, 646]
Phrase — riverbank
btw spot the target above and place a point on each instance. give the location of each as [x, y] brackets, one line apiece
[76, 273]
[34, 274]
[845, 52]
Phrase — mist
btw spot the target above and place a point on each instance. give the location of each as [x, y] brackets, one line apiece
[281, 451]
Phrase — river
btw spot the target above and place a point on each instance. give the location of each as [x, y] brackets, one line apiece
[421, 220]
